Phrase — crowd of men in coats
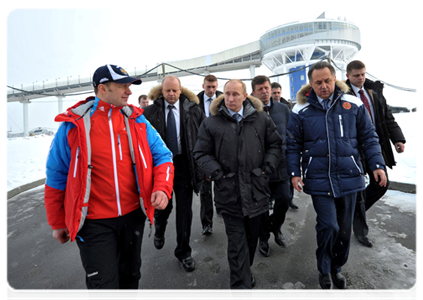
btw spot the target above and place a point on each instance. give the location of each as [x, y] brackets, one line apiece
[247, 153]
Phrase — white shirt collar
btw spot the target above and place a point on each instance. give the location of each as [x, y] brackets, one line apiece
[321, 99]
[241, 112]
[356, 89]
[176, 104]
[207, 97]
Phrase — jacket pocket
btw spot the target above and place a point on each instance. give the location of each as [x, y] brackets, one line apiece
[259, 185]
[225, 189]
[356, 165]
[308, 166]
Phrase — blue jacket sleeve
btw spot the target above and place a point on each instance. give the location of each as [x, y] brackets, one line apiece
[161, 154]
[58, 159]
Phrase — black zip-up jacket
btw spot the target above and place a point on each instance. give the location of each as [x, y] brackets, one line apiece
[238, 157]
[201, 99]
[191, 118]
[279, 113]
[386, 126]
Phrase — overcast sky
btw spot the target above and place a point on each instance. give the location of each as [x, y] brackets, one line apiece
[46, 42]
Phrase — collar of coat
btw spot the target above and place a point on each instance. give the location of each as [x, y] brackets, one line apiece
[83, 107]
[305, 91]
[156, 93]
[370, 84]
[215, 105]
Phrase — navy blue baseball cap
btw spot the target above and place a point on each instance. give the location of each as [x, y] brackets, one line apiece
[113, 73]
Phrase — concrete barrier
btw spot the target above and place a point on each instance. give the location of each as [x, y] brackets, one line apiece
[24, 188]
[403, 187]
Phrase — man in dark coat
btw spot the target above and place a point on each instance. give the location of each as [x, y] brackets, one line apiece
[280, 187]
[238, 148]
[175, 114]
[206, 96]
[325, 131]
[277, 97]
[370, 92]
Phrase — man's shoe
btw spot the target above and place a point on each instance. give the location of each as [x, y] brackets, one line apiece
[339, 280]
[158, 242]
[264, 248]
[325, 281]
[279, 238]
[188, 264]
[207, 230]
[253, 280]
[292, 205]
[365, 241]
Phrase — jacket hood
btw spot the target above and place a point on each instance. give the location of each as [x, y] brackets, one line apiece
[156, 92]
[214, 106]
[305, 90]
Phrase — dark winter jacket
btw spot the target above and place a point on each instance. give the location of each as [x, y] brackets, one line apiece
[201, 98]
[328, 143]
[191, 118]
[386, 126]
[235, 155]
[279, 113]
[286, 102]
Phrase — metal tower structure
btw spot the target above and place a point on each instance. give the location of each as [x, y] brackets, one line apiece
[293, 47]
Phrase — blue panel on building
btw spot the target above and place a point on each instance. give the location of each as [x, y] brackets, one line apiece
[296, 80]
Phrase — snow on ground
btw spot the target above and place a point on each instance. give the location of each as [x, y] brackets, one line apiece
[406, 168]
[26, 157]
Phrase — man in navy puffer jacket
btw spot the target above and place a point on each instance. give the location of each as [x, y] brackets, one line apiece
[324, 132]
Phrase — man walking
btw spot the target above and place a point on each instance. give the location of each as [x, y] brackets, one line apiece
[176, 116]
[371, 94]
[107, 170]
[279, 182]
[238, 148]
[206, 97]
[323, 136]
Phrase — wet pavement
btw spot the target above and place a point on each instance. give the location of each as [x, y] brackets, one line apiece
[36, 261]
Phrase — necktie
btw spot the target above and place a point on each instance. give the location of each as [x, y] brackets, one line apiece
[365, 102]
[266, 108]
[209, 100]
[326, 104]
[171, 135]
[237, 117]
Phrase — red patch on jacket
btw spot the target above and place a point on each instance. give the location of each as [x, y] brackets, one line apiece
[346, 105]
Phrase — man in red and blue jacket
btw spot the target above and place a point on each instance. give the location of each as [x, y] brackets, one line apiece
[107, 171]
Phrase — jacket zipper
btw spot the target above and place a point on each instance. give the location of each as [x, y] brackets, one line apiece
[112, 139]
[329, 158]
[341, 126]
[76, 162]
[120, 147]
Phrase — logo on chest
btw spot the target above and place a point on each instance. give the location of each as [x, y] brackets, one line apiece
[347, 105]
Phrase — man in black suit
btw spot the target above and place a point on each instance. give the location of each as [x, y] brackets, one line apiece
[175, 114]
[206, 96]
[370, 93]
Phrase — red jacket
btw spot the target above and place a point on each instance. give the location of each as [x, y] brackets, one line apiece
[92, 173]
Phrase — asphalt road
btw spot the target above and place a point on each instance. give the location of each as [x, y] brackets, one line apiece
[36, 261]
